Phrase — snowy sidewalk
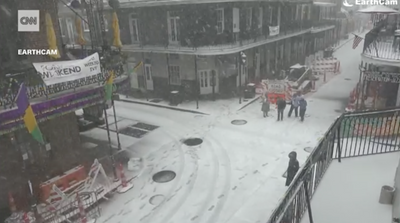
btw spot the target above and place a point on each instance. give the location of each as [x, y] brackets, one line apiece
[205, 107]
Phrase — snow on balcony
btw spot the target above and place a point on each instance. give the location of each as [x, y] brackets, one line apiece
[350, 190]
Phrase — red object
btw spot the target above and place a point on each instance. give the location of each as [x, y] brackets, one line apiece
[82, 213]
[11, 202]
[26, 218]
[124, 182]
[66, 181]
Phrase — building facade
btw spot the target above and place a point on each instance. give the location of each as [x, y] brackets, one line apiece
[194, 47]
[380, 70]
[23, 159]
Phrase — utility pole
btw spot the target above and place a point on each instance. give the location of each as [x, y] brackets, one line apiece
[197, 89]
[242, 58]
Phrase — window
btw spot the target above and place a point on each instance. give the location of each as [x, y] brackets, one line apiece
[220, 20]
[85, 24]
[174, 75]
[249, 16]
[270, 13]
[260, 17]
[148, 71]
[134, 29]
[298, 12]
[173, 27]
[61, 25]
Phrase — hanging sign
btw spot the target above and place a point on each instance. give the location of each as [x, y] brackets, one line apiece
[273, 30]
[64, 71]
[382, 77]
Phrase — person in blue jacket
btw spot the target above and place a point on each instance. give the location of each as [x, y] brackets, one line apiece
[294, 105]
[303, 107]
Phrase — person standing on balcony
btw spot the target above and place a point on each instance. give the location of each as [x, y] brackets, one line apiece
[281, 104]
[265, 107]
[303, 107]
[294, 105]
[292, 168]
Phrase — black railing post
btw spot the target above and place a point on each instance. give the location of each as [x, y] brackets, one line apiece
[339, 149]
[305, 184]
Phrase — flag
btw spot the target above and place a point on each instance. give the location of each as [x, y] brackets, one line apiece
[138, 65]
[357, 40]
[109, 87]
[25, 109]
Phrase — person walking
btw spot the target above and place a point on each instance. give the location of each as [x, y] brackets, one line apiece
[303, 107]
[265, 107]
[294, 106]
[281, 104]
[292, 169]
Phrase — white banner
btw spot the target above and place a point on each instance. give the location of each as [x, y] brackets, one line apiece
[64, 71]
[273, 30]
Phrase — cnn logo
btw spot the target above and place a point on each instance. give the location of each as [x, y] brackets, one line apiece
[28, 21]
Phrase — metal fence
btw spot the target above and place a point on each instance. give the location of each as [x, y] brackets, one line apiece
[351, 135]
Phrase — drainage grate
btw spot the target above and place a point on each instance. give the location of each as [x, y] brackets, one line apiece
[239, 122]
[164, 176]
[145, 126]
[193, 141]
[129, 131]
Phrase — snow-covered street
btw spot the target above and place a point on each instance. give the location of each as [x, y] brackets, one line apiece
[235, 174]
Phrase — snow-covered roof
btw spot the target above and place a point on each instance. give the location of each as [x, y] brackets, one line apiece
[147, 3]
[326, 4]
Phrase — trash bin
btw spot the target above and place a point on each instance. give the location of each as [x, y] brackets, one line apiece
[174, 98]
[386, 196]
[250, 91]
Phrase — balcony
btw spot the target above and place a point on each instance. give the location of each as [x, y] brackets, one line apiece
[380, 47]
[322, 25]
[220, 46]
[342, 178]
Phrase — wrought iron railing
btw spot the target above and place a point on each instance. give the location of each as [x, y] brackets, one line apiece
[351, 135]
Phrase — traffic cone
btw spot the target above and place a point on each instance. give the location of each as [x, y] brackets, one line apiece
[25, 218]
[125, 185]
[11, 202]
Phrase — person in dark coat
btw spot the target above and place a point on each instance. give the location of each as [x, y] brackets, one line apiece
[281, 104]
[294, 106]
[303, 108]
[292, 168]
[265, 107]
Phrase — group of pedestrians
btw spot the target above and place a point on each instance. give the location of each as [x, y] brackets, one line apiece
[298, 105]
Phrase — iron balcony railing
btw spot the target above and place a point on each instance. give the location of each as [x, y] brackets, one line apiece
[381, 43]
[351, 135]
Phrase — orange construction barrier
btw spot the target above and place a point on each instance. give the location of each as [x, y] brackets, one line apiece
[65, 182]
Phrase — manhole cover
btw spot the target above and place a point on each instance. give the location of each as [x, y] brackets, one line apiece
[164, 176]
[199, 116]
[308, 149]
[347, 79]
[239, 122]
[157, 199]
[338, 111]
[193, 141]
